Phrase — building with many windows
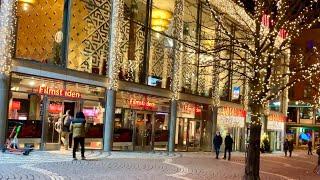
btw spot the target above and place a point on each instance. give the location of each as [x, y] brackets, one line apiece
[136, 68]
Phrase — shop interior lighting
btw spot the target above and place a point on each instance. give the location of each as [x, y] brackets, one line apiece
[160, 19]
[26, 4]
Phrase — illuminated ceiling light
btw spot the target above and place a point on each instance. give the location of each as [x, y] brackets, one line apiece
[26, 4]
[160, 19]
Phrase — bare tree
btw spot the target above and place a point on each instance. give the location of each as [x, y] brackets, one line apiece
[262, 54]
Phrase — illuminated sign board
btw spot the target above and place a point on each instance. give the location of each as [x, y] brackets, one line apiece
[58, 92]
[142, 104]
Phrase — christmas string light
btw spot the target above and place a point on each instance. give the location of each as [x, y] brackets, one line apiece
[7, 24]
[115, 39]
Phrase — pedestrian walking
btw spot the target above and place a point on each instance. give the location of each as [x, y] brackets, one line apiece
[66, 121]
[217, 141]
[290, 147]
[310, 147]
[228, 142]
[78, 128]
[286, 147]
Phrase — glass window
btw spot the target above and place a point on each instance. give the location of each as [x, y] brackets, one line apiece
[306, 112]
[39, 35]
[132, 67]
[89, 36]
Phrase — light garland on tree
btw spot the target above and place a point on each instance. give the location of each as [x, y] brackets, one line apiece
[7, 38]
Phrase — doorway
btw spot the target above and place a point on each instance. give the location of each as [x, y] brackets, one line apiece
[54, 109]
[144, 131]
[189, 134]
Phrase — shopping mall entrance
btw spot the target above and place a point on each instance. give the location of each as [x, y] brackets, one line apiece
[140, 130]
[56, 110]
[189, 134]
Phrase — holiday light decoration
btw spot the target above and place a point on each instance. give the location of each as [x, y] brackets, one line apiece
[178, 34]
[270, 30]
[115, 39]
[7, 24]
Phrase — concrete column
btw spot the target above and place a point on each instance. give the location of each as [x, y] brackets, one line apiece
[7, 20]
[109, 119]
[4, 99]
[113, 72]
[177, 70]
[214, 118]
[172, 126]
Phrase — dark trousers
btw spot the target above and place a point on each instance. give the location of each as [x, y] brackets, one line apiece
[217, 149]
[285, 152]
[225, 153]
[290, 153]
[309, 151]
[76, 142]
[70, 140]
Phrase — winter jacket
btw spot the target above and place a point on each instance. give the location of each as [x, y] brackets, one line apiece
[78, 128]
[217, 141]
[66, 123]
[290, 145]
[228, 142]
[286, 145]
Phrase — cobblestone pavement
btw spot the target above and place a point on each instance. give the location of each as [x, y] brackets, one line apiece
[153, 166]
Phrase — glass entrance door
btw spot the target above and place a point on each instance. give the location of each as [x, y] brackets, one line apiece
[144, 137]
[54, 110]
[194, 135]
[189, 134]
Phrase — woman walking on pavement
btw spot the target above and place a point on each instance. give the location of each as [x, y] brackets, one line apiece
[78, 128]
[217, 141]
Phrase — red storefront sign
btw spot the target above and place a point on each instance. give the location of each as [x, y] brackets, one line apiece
[144, 104]
[277, 117]
[58, 92]
[16, 105]
[231, 111]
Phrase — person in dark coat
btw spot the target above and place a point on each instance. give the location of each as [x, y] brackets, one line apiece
[310, 147]
[290, 148]
[286, 147]
[228, 141]
[217, 141]
[78, 128]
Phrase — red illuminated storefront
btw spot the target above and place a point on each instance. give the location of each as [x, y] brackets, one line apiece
[141, 122]
[194, 126]
[39, 103]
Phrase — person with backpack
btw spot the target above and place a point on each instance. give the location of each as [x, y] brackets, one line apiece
[217, 141]
[228, 141]
[78, 128]
[65, 130]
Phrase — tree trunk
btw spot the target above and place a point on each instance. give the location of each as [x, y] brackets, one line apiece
[253, 151]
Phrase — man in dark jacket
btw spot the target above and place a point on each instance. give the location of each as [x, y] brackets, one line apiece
[217, 141]
[290, 148]
[310, 147]
[228, 142]
[286, 147]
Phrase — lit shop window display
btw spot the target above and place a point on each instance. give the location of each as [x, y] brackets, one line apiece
[232, 120]
[193, 129]
[141, 122]
[41, 104]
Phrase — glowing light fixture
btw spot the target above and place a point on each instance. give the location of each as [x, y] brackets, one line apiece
[160, 19]
[26, 4]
